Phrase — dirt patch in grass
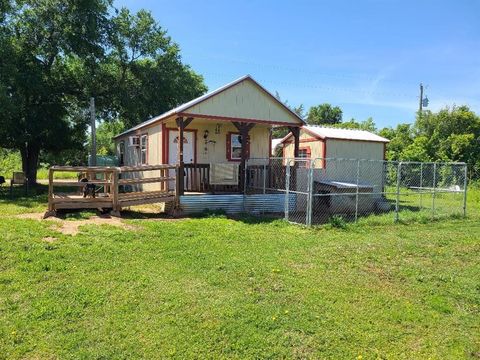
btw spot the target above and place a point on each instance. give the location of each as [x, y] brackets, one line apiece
[71, 227]
[49, 239]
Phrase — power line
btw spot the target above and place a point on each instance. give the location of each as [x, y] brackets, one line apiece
[321, 87]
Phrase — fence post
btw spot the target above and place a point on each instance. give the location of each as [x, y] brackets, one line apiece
[397, 202]
[421, 185]
[434, 186]
[310, 193]
[287, 190]
[465, 192]
[356, 195]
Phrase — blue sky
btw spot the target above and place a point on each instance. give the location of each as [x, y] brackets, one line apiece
[368, 57]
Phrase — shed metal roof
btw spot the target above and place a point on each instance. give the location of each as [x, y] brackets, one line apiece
[323, 132]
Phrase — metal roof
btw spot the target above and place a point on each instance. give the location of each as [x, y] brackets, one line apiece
[323, 132]
[276, 142]
[206, 96]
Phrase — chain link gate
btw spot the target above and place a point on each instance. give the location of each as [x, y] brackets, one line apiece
[313, 191]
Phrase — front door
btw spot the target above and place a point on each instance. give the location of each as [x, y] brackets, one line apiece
[188, 150]
[188, 154]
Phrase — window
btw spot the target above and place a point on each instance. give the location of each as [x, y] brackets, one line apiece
[304, 153]
[121, 152]
[234, 147]
[143, 149]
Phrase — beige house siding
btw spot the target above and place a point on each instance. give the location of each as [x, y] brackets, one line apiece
[307, 141]
[214, 150]
[355, 149]
[245, 100]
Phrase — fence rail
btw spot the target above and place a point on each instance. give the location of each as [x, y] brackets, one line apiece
[114, 187]
[324, 188]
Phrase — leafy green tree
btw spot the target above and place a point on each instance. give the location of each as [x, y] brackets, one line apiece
[400, 138]
[324, 114]
[38, 84]
[56, 54]
[145, 67]
[105, 132]
[453, 134]
[368, 125]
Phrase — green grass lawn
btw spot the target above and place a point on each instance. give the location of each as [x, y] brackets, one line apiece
[222, 288]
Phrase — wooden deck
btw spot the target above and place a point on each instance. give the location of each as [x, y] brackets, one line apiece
[116, 187]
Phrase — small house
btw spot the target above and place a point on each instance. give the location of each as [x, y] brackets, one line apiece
[210, 138]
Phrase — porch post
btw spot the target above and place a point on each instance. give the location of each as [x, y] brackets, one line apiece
[296, 150]
[243, 128]
[181, 124]
[296, 137]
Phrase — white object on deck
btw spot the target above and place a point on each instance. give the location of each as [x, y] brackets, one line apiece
[224, 174]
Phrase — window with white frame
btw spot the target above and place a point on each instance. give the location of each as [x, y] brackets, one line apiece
[234, 146]
[143, 149]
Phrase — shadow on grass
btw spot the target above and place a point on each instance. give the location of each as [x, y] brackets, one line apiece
[35, 196]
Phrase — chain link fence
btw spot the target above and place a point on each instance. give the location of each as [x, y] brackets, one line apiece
[318, 191]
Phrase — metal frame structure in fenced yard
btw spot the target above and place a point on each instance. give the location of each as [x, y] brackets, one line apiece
[318, 189]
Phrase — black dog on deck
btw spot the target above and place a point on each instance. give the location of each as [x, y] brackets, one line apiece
[88, 189]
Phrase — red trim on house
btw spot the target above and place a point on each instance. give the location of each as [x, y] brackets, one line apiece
[228, 118]
[303, 140]
[324, 153]
[195, 131]
[314, 136]
[229, 146]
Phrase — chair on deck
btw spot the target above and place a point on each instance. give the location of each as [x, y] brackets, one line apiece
[18, 178]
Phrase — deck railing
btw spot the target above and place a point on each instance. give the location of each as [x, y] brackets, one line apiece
[197, 177]
[116, 187]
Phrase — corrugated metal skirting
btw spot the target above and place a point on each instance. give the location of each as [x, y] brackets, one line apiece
[234, 204]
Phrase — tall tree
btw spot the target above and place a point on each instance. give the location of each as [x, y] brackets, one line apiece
[38, 40]
[145, 66]
[55, 54]
[324, 114]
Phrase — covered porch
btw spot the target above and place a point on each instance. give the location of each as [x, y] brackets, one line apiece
[217, 164]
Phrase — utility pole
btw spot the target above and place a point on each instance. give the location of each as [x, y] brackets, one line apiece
[93, 152]
[420, 103]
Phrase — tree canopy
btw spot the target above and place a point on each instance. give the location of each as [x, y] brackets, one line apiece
[324, 114]
[56, 54]
[451, 134]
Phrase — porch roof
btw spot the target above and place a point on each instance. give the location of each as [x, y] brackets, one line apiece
[218, 108]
